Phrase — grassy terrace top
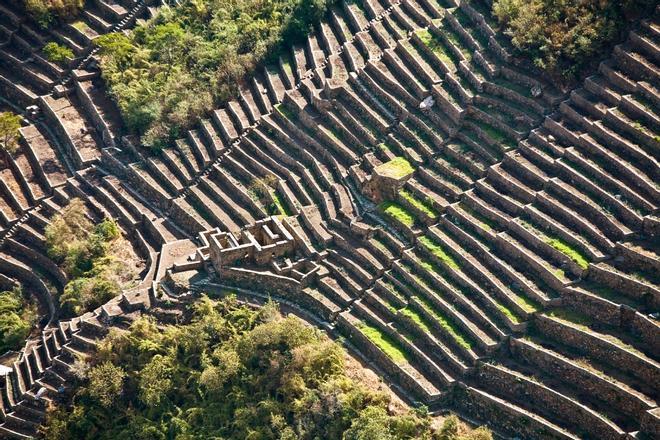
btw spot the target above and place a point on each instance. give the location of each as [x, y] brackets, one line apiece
[396, 168]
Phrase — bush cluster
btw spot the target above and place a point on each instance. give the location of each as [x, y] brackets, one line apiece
[188, 59]
[10, 123]
[87, 254]
[17, 316]
[57, 53]
[563, 36]
[233, 373]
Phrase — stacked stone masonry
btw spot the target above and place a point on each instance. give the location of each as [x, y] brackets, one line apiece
[517, 279]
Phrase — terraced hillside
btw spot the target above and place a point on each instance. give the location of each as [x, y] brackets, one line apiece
[492, 250]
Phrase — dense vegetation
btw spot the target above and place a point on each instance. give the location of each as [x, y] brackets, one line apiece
[46, 12]
[17, 316]
[232, 373]
[96, 258]
[171, 71]
[563, 36]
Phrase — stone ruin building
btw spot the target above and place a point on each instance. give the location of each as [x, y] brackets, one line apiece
[459, 271]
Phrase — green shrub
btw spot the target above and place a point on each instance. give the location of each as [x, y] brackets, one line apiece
[562, 36]
[57, 53]
[398, 213]
[437, 250]
[17, 316]
[396, 168]
[569, 251]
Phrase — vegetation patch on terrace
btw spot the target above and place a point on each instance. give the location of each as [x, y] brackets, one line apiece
[398, 213]
[384, 342]
[424, 206]
[171, 71]
[57, 53]
[584, 323]
[446, 324]
[97, 260]
[508, 312]
[48, 12]
[529, 305]
[396, 168]
[437, 250]
[279, 204]
[569, 251]
[17, 316]
[416, 318]
[436, 47]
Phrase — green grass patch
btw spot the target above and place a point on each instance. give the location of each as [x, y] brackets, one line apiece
[422, 205]
[567, 250]
[527, 304]
[459, 44]
[396, 168]
[428, 266]
[508, 313]
[584, 323]
[437, 250]
[416, 318]
[81, 26]
[484, 222]
[288, 69]
[569, 316]
[394, 290]
[610, 294]
[436, 47]
[398, 213]
[384, 342]
[284, 111]
[446, 324]
[418, 279]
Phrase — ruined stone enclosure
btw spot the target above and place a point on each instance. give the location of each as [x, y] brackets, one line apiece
[493, 250]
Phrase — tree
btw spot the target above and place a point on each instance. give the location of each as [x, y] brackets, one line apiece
[371, 424]
[10, 124]
[16, 319]
[106, 382]
[155, 380]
